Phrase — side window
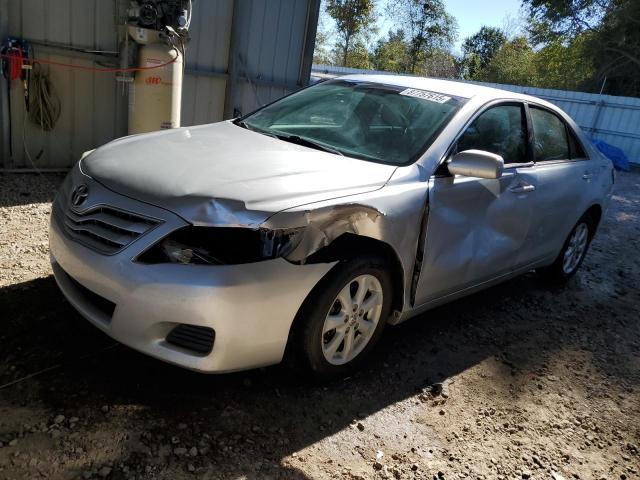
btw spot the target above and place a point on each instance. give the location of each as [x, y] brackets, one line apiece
[550, 136]
[500, 130]
[575, 149]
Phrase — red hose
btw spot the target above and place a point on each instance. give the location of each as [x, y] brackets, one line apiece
[15, 65]
[17, 61]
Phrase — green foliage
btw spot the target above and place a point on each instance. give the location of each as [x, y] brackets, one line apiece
[358, 56]
[321, 52]
[571, 44]
[615, 47]
[612, 46]
[391, 53]
[563, 19]
[352, 18]
[514, 64]
[566, 66]
[440, 64]
[428, 26]
[480, 48]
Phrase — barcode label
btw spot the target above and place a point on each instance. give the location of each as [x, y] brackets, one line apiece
[425, 95]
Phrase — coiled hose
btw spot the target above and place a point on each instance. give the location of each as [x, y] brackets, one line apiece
[44, 103]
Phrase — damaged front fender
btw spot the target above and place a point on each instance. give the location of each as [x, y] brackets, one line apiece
[322, 227]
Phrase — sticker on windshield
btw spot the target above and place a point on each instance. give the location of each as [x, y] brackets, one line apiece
[425, 95]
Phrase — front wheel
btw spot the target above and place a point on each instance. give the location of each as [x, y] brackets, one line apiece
[344, 316]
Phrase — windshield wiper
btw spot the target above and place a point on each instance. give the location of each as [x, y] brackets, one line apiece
[290, 138]
[244, 124]
[305, 142]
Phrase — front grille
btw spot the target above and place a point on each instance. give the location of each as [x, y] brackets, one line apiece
[192, 337]
[106, 229]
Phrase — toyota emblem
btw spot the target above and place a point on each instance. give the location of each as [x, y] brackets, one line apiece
[79, 195]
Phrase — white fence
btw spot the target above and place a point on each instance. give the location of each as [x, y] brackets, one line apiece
[615, 120]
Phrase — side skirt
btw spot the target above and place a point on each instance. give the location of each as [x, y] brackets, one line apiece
[407, 314]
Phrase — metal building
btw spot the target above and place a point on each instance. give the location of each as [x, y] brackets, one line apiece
[242, 54]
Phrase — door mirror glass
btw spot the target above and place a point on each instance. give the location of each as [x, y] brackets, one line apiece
[476, 163]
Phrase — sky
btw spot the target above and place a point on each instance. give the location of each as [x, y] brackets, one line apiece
[471, 15]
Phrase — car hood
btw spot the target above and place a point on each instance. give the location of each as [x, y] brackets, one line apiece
[222, 174]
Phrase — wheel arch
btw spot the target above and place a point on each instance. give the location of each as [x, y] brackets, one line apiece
[594, 212]
[349, 245]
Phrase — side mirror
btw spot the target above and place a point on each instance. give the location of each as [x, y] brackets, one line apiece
[476, 163]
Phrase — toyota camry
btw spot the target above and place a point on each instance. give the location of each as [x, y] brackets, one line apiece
[305, 227]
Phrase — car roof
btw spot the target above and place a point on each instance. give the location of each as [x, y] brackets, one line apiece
[447, 87]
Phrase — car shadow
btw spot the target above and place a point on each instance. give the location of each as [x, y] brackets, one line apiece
[248, 422]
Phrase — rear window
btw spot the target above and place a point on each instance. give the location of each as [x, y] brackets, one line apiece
[550, 136]
[575, 149]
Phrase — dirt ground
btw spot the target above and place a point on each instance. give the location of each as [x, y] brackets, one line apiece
[520, 381]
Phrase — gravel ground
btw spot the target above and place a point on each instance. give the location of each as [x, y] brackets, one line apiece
[520, 381]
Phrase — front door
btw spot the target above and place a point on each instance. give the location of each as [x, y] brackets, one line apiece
[478, 229]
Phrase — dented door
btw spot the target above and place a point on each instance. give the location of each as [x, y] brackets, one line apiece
[477, 229]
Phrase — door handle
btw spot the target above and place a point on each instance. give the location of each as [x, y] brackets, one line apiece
[587, 176]
[522, 189]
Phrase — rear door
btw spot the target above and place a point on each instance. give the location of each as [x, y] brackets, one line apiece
[478, 229]
[564, 181]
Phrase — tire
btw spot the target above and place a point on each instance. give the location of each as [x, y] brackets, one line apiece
[312, 347]
[564, 268]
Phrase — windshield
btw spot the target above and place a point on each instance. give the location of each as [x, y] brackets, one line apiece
[376, 122]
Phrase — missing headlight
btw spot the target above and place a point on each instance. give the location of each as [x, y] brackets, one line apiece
[221, 246]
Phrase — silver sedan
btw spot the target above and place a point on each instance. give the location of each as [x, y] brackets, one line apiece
[302, 229]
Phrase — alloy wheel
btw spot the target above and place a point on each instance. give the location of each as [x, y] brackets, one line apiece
[352, 319]
[576, 248]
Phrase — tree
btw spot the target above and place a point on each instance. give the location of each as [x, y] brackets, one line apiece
[391, 53]
[322, 50]
[428, 27]
[480, 48]
[358, 56]
[513, 64]
[566, 65]
[352, 18]
[441, 64]
[614, 41]
[615, 47]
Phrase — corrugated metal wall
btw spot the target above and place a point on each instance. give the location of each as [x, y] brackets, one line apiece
[94, 111]
[268, 51]
[242, 53]
[616, 120]
[205, 82]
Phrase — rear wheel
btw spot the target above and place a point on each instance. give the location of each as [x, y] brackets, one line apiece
[344, 316]
[573, 252]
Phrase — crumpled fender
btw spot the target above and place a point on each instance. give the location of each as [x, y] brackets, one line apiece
[392, 214]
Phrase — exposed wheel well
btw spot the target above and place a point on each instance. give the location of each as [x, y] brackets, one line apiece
[349, 245]
[595, 213]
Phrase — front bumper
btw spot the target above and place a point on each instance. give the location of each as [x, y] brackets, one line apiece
[250, 307]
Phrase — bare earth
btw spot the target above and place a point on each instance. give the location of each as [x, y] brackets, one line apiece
[537, 382]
